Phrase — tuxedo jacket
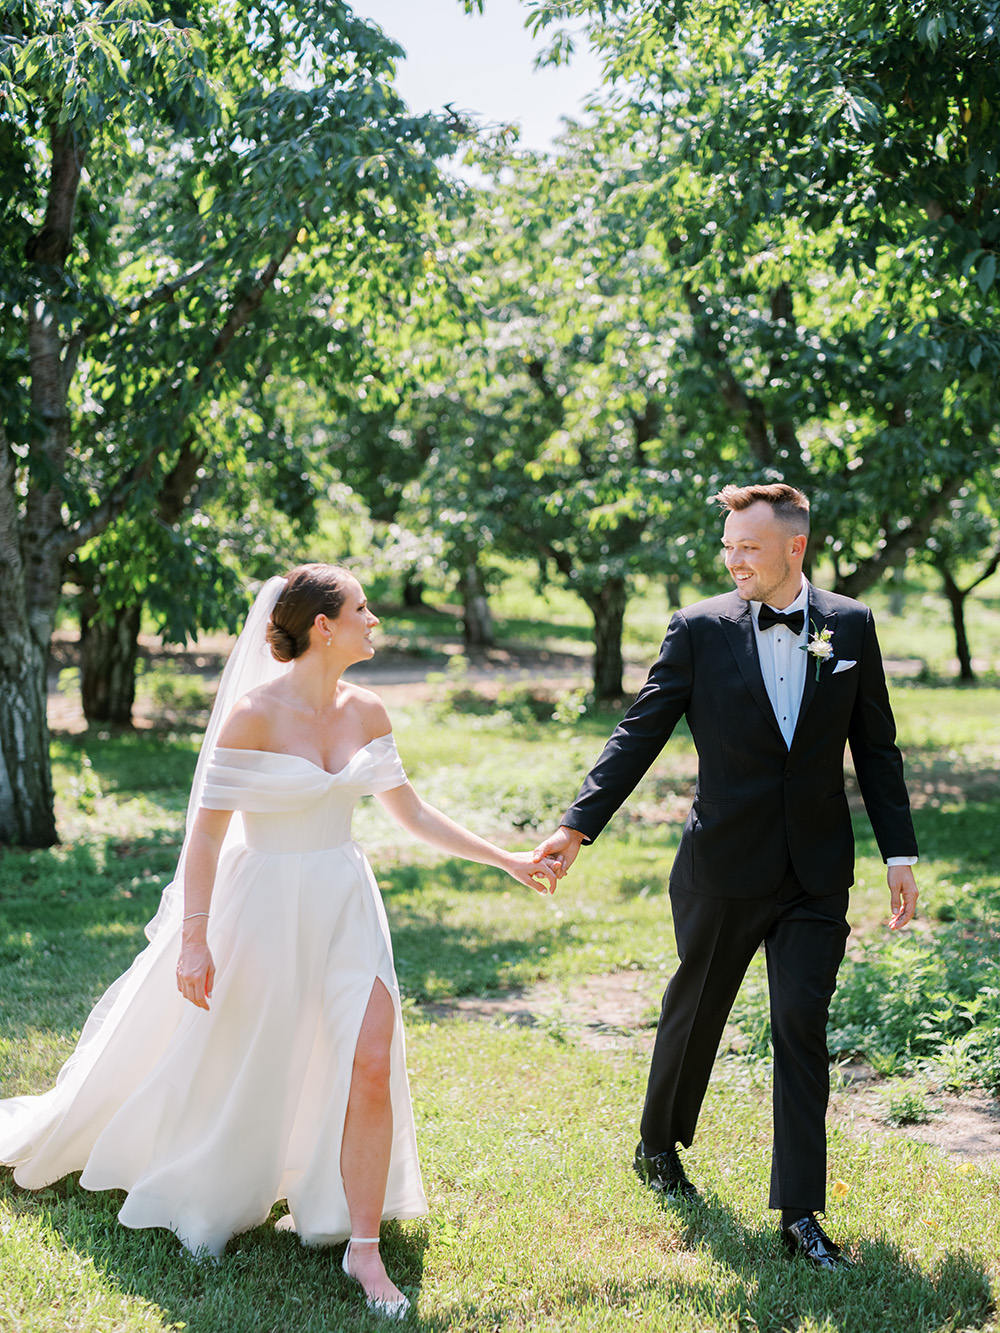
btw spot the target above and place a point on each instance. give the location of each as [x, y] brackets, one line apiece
[760, 805]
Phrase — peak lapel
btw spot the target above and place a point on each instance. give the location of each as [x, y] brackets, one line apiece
[737, 623]
[817, 620]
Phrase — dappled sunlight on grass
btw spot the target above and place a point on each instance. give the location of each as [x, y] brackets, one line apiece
[526, 1133]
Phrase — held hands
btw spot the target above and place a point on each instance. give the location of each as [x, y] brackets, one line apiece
[560, 849]
[535, 873]
[902, 895]
[196, 974]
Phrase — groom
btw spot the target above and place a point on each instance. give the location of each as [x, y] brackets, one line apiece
[767, 852]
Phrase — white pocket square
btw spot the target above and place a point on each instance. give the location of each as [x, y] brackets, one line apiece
[844, 665]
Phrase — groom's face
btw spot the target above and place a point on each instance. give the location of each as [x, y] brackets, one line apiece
[763, 557]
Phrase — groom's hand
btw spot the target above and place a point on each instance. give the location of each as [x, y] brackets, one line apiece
[561, 848]
[903, 895]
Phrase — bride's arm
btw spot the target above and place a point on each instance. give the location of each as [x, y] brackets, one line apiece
[195, 968]
[430, 825]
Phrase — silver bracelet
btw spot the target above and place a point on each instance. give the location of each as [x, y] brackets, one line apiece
[193, 914]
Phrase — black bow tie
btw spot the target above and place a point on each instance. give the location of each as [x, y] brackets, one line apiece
[769, 618]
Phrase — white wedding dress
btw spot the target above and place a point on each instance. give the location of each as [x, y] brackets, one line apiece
[207, 1119]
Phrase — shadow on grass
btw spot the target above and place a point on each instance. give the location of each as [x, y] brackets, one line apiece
[265, 1280]
[438, 956]
[884, 1293]
[80, 887]
[514, 629]
[967, 834]
[133, 762]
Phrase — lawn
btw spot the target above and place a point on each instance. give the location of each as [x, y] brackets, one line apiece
[526, 1133]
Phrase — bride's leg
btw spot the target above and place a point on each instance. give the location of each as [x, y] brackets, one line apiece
[364, 1153]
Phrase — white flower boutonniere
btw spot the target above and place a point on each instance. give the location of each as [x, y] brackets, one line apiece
[819, 646]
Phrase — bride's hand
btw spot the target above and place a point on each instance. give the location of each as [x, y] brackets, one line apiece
[538, 875]
[196, 974]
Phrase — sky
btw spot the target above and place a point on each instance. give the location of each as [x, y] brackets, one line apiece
[481, 63]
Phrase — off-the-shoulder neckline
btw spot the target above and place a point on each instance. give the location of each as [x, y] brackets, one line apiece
[278, 754]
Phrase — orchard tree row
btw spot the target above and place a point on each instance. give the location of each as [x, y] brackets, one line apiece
[230, 274]
[770, 253]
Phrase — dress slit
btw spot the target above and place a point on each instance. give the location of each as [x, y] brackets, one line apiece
[207, 1119]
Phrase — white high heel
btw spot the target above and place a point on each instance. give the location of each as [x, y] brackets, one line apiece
[388, 1309]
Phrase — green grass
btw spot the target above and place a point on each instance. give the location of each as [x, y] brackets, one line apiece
[536, 1221]
[922, 630]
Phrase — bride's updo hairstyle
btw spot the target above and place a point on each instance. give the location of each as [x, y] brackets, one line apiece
[309, 591]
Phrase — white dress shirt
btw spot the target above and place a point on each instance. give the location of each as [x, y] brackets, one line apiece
[783, 666]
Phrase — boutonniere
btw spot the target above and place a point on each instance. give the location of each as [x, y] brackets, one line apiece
[819, 646]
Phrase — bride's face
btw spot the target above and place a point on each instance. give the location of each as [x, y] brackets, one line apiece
[350, 635]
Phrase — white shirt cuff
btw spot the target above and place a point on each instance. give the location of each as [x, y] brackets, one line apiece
[901, 860]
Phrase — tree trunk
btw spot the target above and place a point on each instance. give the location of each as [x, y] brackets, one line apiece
[607, 605]
[26, 812]
[30, 553]
[477, 622]
[108, 656]
[674, 591]
[897, 591]
[413, 590]
[956, 600]
[110, 650]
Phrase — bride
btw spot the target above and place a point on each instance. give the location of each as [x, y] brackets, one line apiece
[254, 1050]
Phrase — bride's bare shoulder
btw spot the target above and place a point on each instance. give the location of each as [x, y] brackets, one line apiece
[249, 725]
[368, 706]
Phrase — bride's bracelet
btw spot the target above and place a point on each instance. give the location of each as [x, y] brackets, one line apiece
[193, 914]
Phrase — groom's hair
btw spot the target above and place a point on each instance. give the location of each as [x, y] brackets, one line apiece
[791, 508]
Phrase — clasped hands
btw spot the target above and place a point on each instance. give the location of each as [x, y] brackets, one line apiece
[559, 850]
[549, 862]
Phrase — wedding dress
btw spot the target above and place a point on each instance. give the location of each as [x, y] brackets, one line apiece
[208, 1118]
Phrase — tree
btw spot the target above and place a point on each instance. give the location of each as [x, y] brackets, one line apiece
[191, 196]
[213, 528]
[970, 533]
[544, 421]
[822, 178]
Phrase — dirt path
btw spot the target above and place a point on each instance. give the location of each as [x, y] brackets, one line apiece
[618, 1012]
[400, 677]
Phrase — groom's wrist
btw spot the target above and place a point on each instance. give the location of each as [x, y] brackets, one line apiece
[578, 836]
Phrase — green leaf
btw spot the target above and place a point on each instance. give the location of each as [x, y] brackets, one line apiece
[986, 273]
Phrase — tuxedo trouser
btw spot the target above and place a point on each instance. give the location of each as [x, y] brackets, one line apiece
[804, 939]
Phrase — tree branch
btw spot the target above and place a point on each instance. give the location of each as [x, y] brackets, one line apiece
[51, 244]
[991, 568]
[739, 402]
[895, 546]
[168, 290]
[159, 296]
[114, 504]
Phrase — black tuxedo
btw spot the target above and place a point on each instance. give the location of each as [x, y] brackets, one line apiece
[769, 828]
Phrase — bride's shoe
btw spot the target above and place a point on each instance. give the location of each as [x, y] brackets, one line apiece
[390, 1309]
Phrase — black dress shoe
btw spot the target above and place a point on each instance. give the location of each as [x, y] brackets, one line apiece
[808, 1238]
[662, 1171]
